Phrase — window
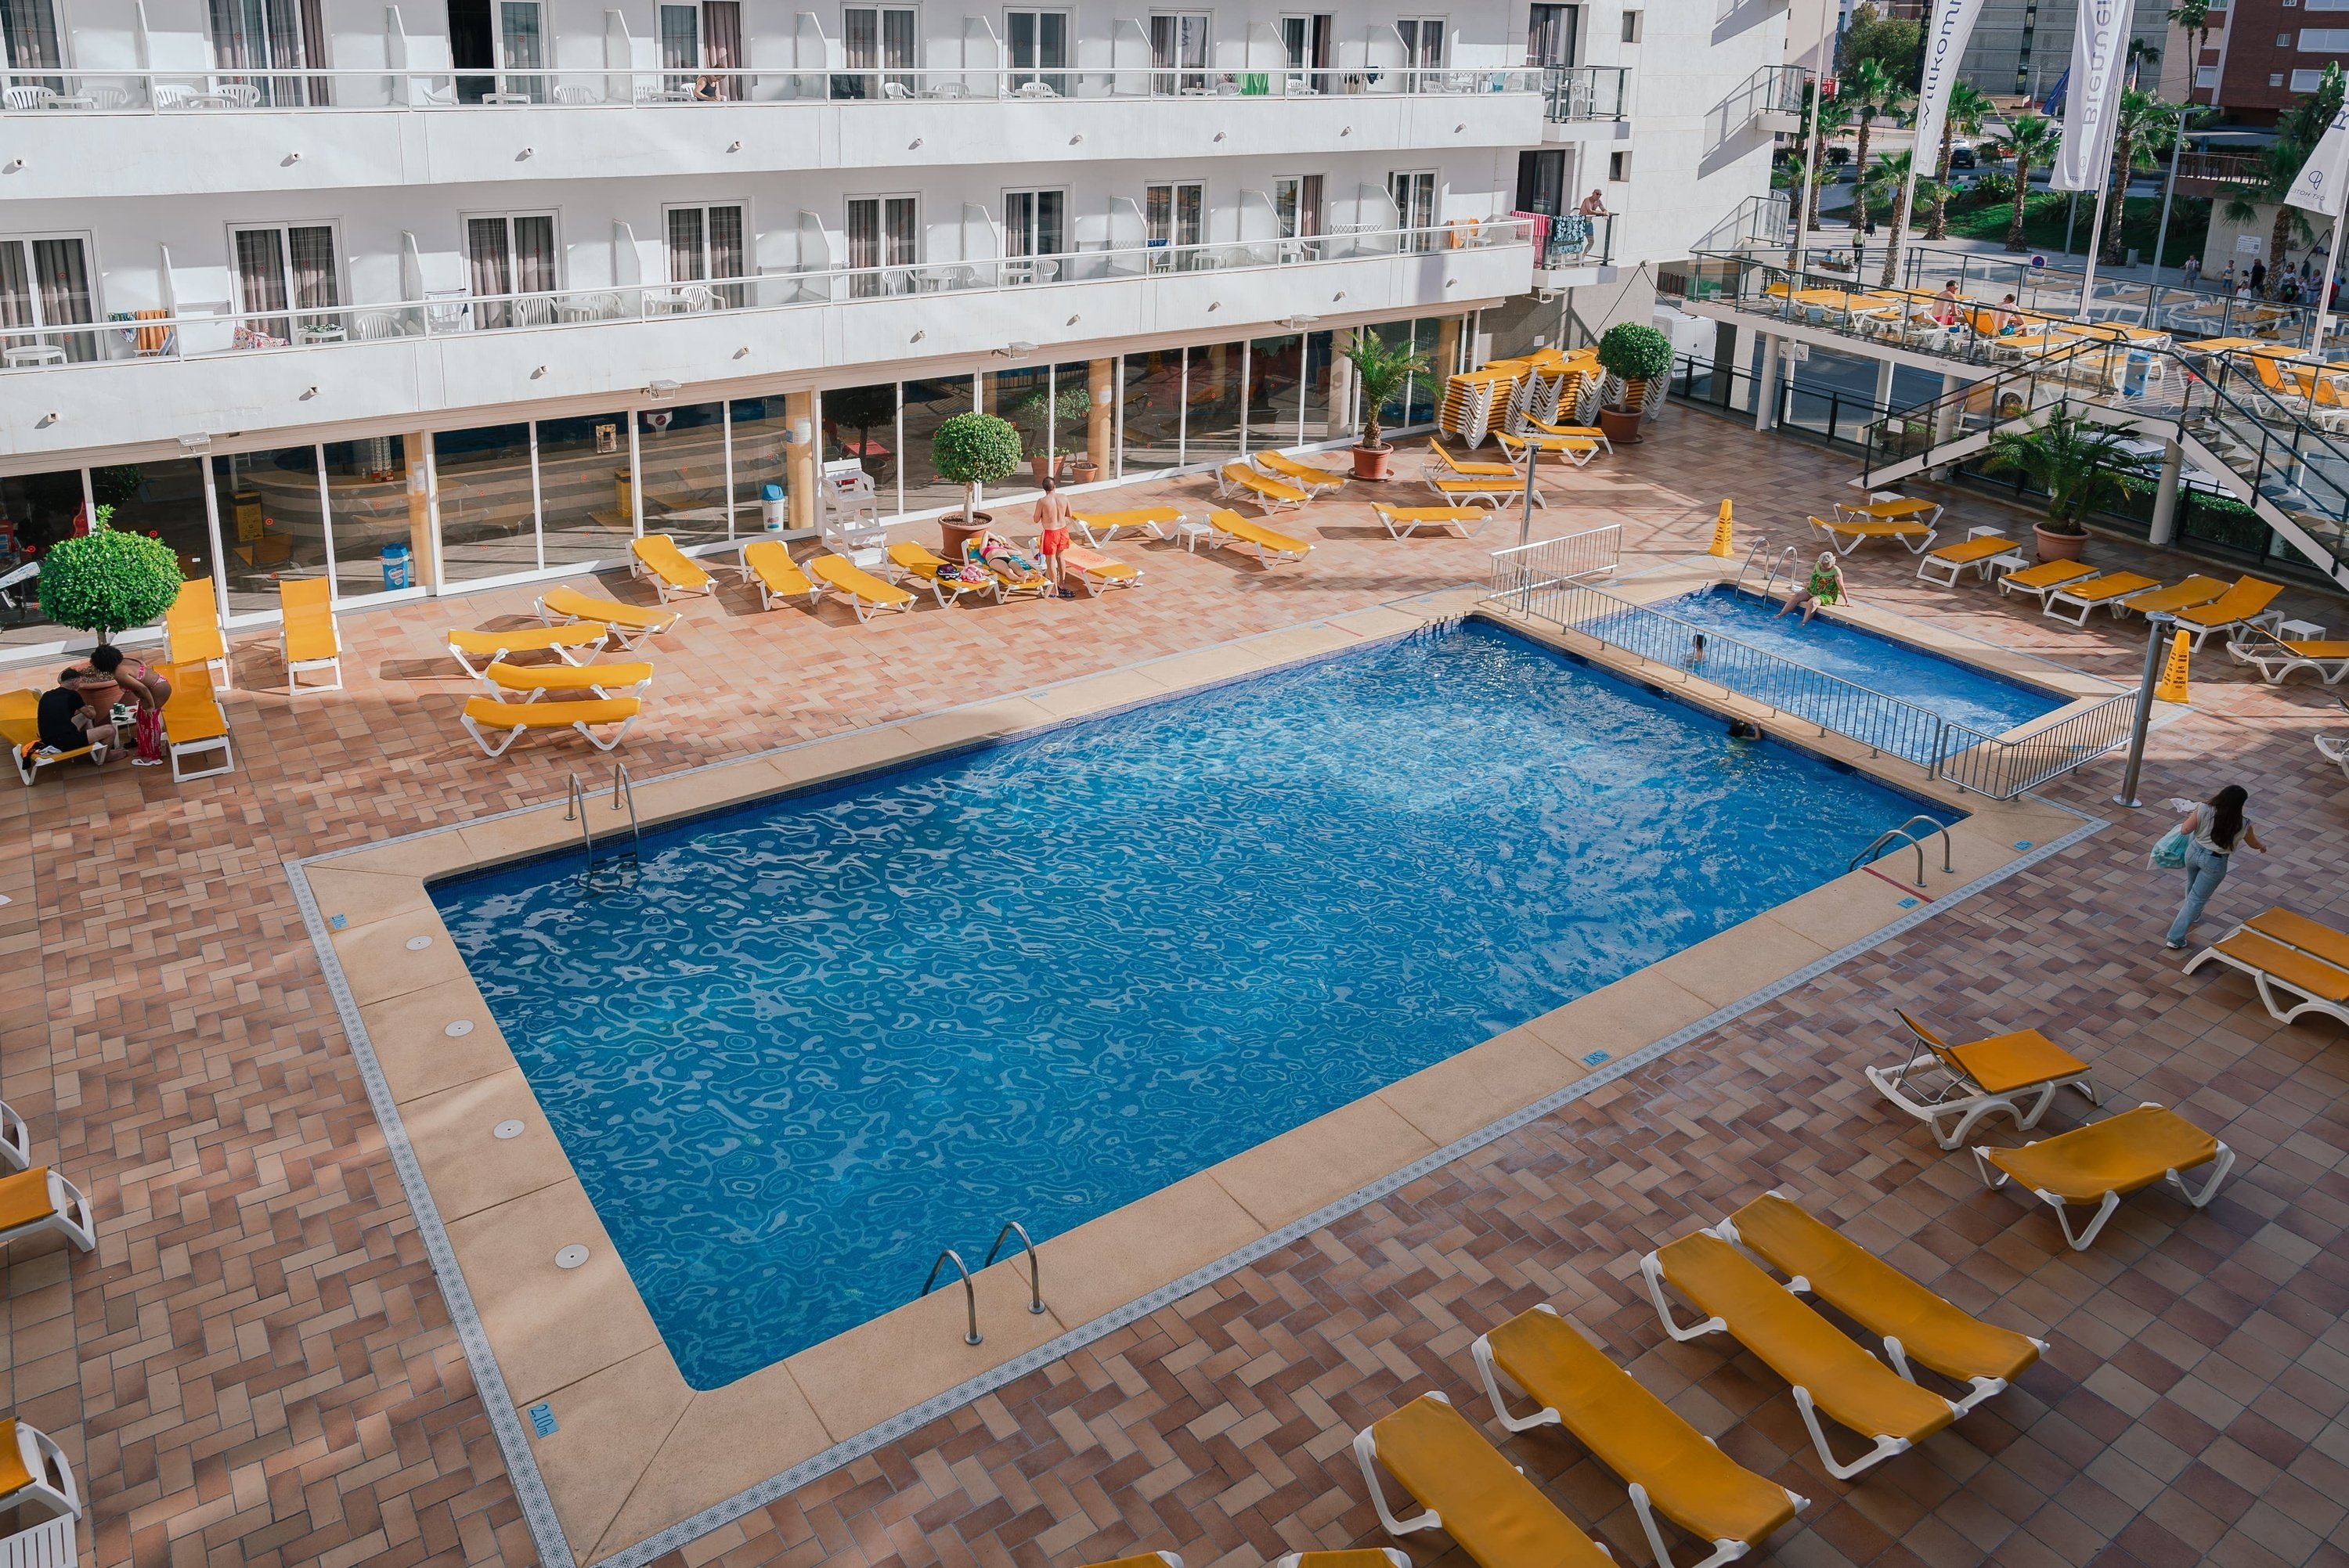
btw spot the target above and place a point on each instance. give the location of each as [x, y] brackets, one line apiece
[876, 39]
[1549, 34]
[1172, 215]
[1618, 167]
[272, 34]
[2275, 79]
[880, 236]
[45, 282]
[1034, 225]
[503, 36]
[705, 244]
[2206, 76]
[1630, 26]
[1297, 206]
[286, 285]
[707, 36]
[30, 28]
[1038, 43]
[1541, 182]
[2319, 41]
[1422, 50]
[1304, 40]
[509, 255]
[1415, 197]
[2306, 81]
[1178, 54]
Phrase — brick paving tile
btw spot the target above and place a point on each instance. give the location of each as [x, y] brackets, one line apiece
[257, 1368]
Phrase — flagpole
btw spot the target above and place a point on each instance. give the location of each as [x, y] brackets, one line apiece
[2325, 288]
[2095, 238]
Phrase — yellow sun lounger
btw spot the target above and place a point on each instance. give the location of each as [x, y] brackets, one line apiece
[1584, 432]
[1829, 1373]
[1234, 480]
[656, 556]
[2276, 658]
[2108, 590]
[613, 680]
[193, 724]
[1980, 548]
[1469, 468]
[1895, 509]
[38, 1200]
[925, 564]
[768, 562]
[626, 625]
[2297, 965]
[1915, 537]
[2044, 578]
[476, 651]
[33, 1469]
[1100, 527]
[1402, 522]
[2104, 1161]
[1915, 1324]
[20, 725]
[1311, 476]
[1098, 573]
[1229, 529]
[307, 637]
[866, 594]
[1575, 449]
[1940, 1080]
[2196, 590]
[1671, 1468]
[1493, 492]
[191, 634]
[1468, 1490]
[486, 714]
[2237, 605]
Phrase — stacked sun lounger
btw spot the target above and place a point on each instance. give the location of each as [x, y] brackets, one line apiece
[1475, 400]
[36, 1200]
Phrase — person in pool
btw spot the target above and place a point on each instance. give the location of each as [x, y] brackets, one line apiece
[1696, 651]
[1744, 730]
[1826, 587]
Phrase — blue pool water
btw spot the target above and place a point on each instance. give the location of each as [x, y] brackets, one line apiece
[814, 1040]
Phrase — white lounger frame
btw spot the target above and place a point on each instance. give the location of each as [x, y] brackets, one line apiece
[1834, 531]
[16, 1141]
[1230, 489]
[1329, 483]
[615, 636]
[2295, 1001]
[496, 693]
[1932, 1105]
[768, 597]
[2007, 585]
[1396, 1558]
[1995, 1178]
[38, 1449]
[514, 734]
[294, 672]
[1218, 539]
[2334, 748]
[1723, 1549]
[1858, 510]
[1494, 494]
[565, 655]
[1366, 1454]
[2118, 602]
[1575, 449]
[1928, 564]
[68, 1216]
[178, 751]
[2275, 659]
[662, 587]
[1470, 526]
[1108, 530]
[1885, 1445]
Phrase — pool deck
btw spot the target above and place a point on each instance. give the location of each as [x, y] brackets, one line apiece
[258, 1366]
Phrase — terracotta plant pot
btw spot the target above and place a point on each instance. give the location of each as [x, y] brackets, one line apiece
[954, 534]
[1622, 424]
[1373, 462]
[2058, 546]
[1044, 469]
[1083, 471]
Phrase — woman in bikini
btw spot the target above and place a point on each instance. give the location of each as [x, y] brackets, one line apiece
[1826, 587]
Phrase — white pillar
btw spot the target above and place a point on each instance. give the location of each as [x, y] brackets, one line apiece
[1766, 384]
[2164, 495]
[1883, 384]
[1945, 418]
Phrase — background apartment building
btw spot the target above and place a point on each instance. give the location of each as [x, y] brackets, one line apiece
[291, 282]
[2023, 46]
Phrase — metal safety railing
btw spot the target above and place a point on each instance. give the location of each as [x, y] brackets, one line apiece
[1527, 568]
[2000, 766]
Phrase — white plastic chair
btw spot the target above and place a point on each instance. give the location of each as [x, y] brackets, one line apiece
[578, 95]
[377, 325]
[29, 97]
[243, 95]
[173, 95]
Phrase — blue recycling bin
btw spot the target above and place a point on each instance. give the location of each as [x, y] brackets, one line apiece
[395, 566]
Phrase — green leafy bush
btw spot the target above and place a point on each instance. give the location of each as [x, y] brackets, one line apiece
[1636, 354]
[109, 581]
[975, 450]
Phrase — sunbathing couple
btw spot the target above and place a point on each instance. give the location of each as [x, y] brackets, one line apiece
[104, 704]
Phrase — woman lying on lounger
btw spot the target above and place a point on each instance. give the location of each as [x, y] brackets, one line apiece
[1826, 587]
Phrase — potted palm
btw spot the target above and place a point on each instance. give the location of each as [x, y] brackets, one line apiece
[972, 451]
[1382, 369]
[1633, 355]
[2076, 464]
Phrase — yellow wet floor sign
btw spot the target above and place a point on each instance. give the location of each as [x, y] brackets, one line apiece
[2172, 686]
[1721, 545]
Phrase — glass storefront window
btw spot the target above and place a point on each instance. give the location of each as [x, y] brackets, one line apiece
[165, 499]
[1313, 389]
[927, 405]
[273, 528]
[586, 507]
[1024, 397]
[1152, 395]
[367, 512]
[1072, 411]
[486, 515]
[35, 511]
[1273, 374]
[683, 454]
[1437, 346]
[860, 425]
[1212, 427]
[761, 432]
[1394, 416]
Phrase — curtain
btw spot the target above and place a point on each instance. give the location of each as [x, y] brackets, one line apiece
[261, 283]
[534, 244]
[863, 247]
[31, 26]
[492, 268]
[721, 25]
[680, 43]
[685, 245]
[726, 252]
[311, 251]
[1309, 208]
[320, 92]
[15, 291]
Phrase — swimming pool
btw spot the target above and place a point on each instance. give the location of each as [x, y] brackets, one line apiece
[813, 1041]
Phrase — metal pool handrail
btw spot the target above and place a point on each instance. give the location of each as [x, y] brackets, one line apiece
[969, 1291]
[1035, 1269]
[1902, 835]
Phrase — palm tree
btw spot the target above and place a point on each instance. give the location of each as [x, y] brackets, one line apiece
[2076, 463]
[2298, 130]
[2140, 52]
[2143, 123]
[1891, 175]
[1833, 115]
[1968, 107]
[2031, 140]
[1868, 89]
[2193, 16]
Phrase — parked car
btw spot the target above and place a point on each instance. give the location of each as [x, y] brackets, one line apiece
[1961, 157]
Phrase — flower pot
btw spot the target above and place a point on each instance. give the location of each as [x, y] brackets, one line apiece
[954, 534]
[1083, 471]
[1375, 462]
[2058, 546]
[1042, 468]
[1622, 424]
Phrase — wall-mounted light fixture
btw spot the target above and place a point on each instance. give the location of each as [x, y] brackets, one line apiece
[914, 144]
[660, 389]
[1215, 304]
[733, 147]
[45, 421]
[525, 152]
[12, 165]
[1335, 298]
[743, 352]
[1219, 136]
[291, 160]
[1076, 139]
[1074, 319]
[537, 372]
[1014, 350]
[194, 443]
[919, 335]
[1295, 322]
[308, 393]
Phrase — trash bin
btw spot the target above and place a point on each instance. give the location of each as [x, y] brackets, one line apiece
[771, 508]
[395, 566]
[624, 492]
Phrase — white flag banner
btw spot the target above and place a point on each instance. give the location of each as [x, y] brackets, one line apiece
[2324, 174]
[2099, 49]
[1945, 46]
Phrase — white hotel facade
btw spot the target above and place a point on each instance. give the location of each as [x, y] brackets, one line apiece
[503, 282]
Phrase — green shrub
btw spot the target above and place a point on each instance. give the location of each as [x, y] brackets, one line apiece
[109, 581]
[1635, 353]
[975, 450]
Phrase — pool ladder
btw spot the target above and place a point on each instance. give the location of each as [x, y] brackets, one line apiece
[970, 1292]
[1903, 836]
[1788, 560]
[624, 797]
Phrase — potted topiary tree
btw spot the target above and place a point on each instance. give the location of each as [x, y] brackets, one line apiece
[1633, 354]
[1068, 411]
[972, 451]
[109, 581]
[1381, 371]
[2076, 464]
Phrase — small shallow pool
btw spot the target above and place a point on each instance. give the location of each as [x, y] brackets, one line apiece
[813, 1041]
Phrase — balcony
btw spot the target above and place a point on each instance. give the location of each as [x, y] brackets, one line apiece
[1575, 250]
[1586, 103]
[162, 377]
[134, 133]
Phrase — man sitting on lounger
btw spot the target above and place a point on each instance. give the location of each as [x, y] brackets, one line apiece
[1826, 587]
[67, 722]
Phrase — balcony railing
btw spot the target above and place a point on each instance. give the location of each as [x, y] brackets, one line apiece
[1575, 93]
[1577, 240]
[181, 91]
[156, 336]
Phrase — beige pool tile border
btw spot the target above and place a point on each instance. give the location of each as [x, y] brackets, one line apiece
[638, 1462]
